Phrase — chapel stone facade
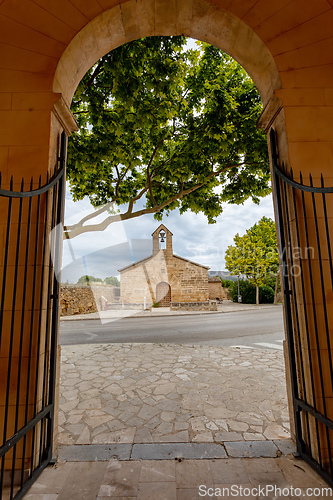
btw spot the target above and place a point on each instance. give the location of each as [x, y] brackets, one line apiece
[164, 279]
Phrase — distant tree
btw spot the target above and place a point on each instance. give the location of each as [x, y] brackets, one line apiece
[255, 254]
[85, 279]
[226, 283]
[112, 280]
[167, 126]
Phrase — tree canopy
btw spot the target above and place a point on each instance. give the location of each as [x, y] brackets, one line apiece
[112, 280]
[86, 279]
[172, 126]
[255, 254]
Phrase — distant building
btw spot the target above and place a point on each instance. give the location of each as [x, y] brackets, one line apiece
[215, 290]
[164, 279]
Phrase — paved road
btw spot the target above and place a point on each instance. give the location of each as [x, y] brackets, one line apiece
[261, 329]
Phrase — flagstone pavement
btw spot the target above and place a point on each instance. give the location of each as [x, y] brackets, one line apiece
[218, 408]
[158, 393]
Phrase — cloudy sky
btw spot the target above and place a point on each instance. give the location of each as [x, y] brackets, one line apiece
[102, 254]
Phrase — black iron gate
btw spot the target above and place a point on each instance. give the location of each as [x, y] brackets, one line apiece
[29, 266]
[306, 260]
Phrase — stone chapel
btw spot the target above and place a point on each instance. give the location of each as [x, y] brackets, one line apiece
[164, 279]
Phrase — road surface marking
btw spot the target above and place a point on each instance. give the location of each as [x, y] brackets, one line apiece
[271, 346]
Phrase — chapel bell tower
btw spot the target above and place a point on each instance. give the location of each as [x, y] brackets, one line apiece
[162, 240]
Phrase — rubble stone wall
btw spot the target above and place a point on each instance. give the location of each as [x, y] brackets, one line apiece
[83, 299]
[210, 305]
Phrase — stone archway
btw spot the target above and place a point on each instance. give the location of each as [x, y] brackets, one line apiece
[284, 46]
[200, 20]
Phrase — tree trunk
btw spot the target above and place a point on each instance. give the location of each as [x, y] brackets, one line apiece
[276, 287]
[257, 295]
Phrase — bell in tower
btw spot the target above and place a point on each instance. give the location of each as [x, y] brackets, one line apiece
[162, 240]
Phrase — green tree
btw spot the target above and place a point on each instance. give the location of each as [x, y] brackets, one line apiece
[112, 280]
[255, 254]
[170, 126]
[85, 279]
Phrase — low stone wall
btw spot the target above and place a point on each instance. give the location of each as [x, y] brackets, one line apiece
[215, 289]
[194, 306]
[83, 299]
[227, 294]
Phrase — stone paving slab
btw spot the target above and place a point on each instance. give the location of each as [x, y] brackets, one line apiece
[160, 393]
[176, 480]
[252, 449]
[191, 451]
[286, 446]
[172, 451]
[94, 452]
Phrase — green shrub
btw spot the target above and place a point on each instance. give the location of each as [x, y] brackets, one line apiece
[266, 295]
[248, 292]
[270, 281]
[227, 283]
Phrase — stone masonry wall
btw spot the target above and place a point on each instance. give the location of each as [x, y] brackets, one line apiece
[83, 299]
[188, 281]
[216, 291]
[210, 305]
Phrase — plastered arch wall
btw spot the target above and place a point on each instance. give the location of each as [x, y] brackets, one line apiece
[193, 18]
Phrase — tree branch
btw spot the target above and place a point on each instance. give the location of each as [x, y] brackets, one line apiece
[96, 72]
[148, 170]
[79, 228]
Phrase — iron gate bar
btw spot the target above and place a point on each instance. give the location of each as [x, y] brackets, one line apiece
[48, 323]
[24, 430]
[328, 241]
[296, 313]
[300, 186]
[307, 332]
[306, 325]
[22, 328]
[56, 287]
[35, 244]
[308, 408]
[4, 278]
[286, 291]
[9, 370]
[32, 192]
[322, 282]
[314, 312]
[38, 338]
[281, 181]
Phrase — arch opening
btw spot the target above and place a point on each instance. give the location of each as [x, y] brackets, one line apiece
[163, 294]
[133, 20]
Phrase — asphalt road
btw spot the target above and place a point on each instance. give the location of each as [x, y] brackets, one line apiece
[244, 328]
